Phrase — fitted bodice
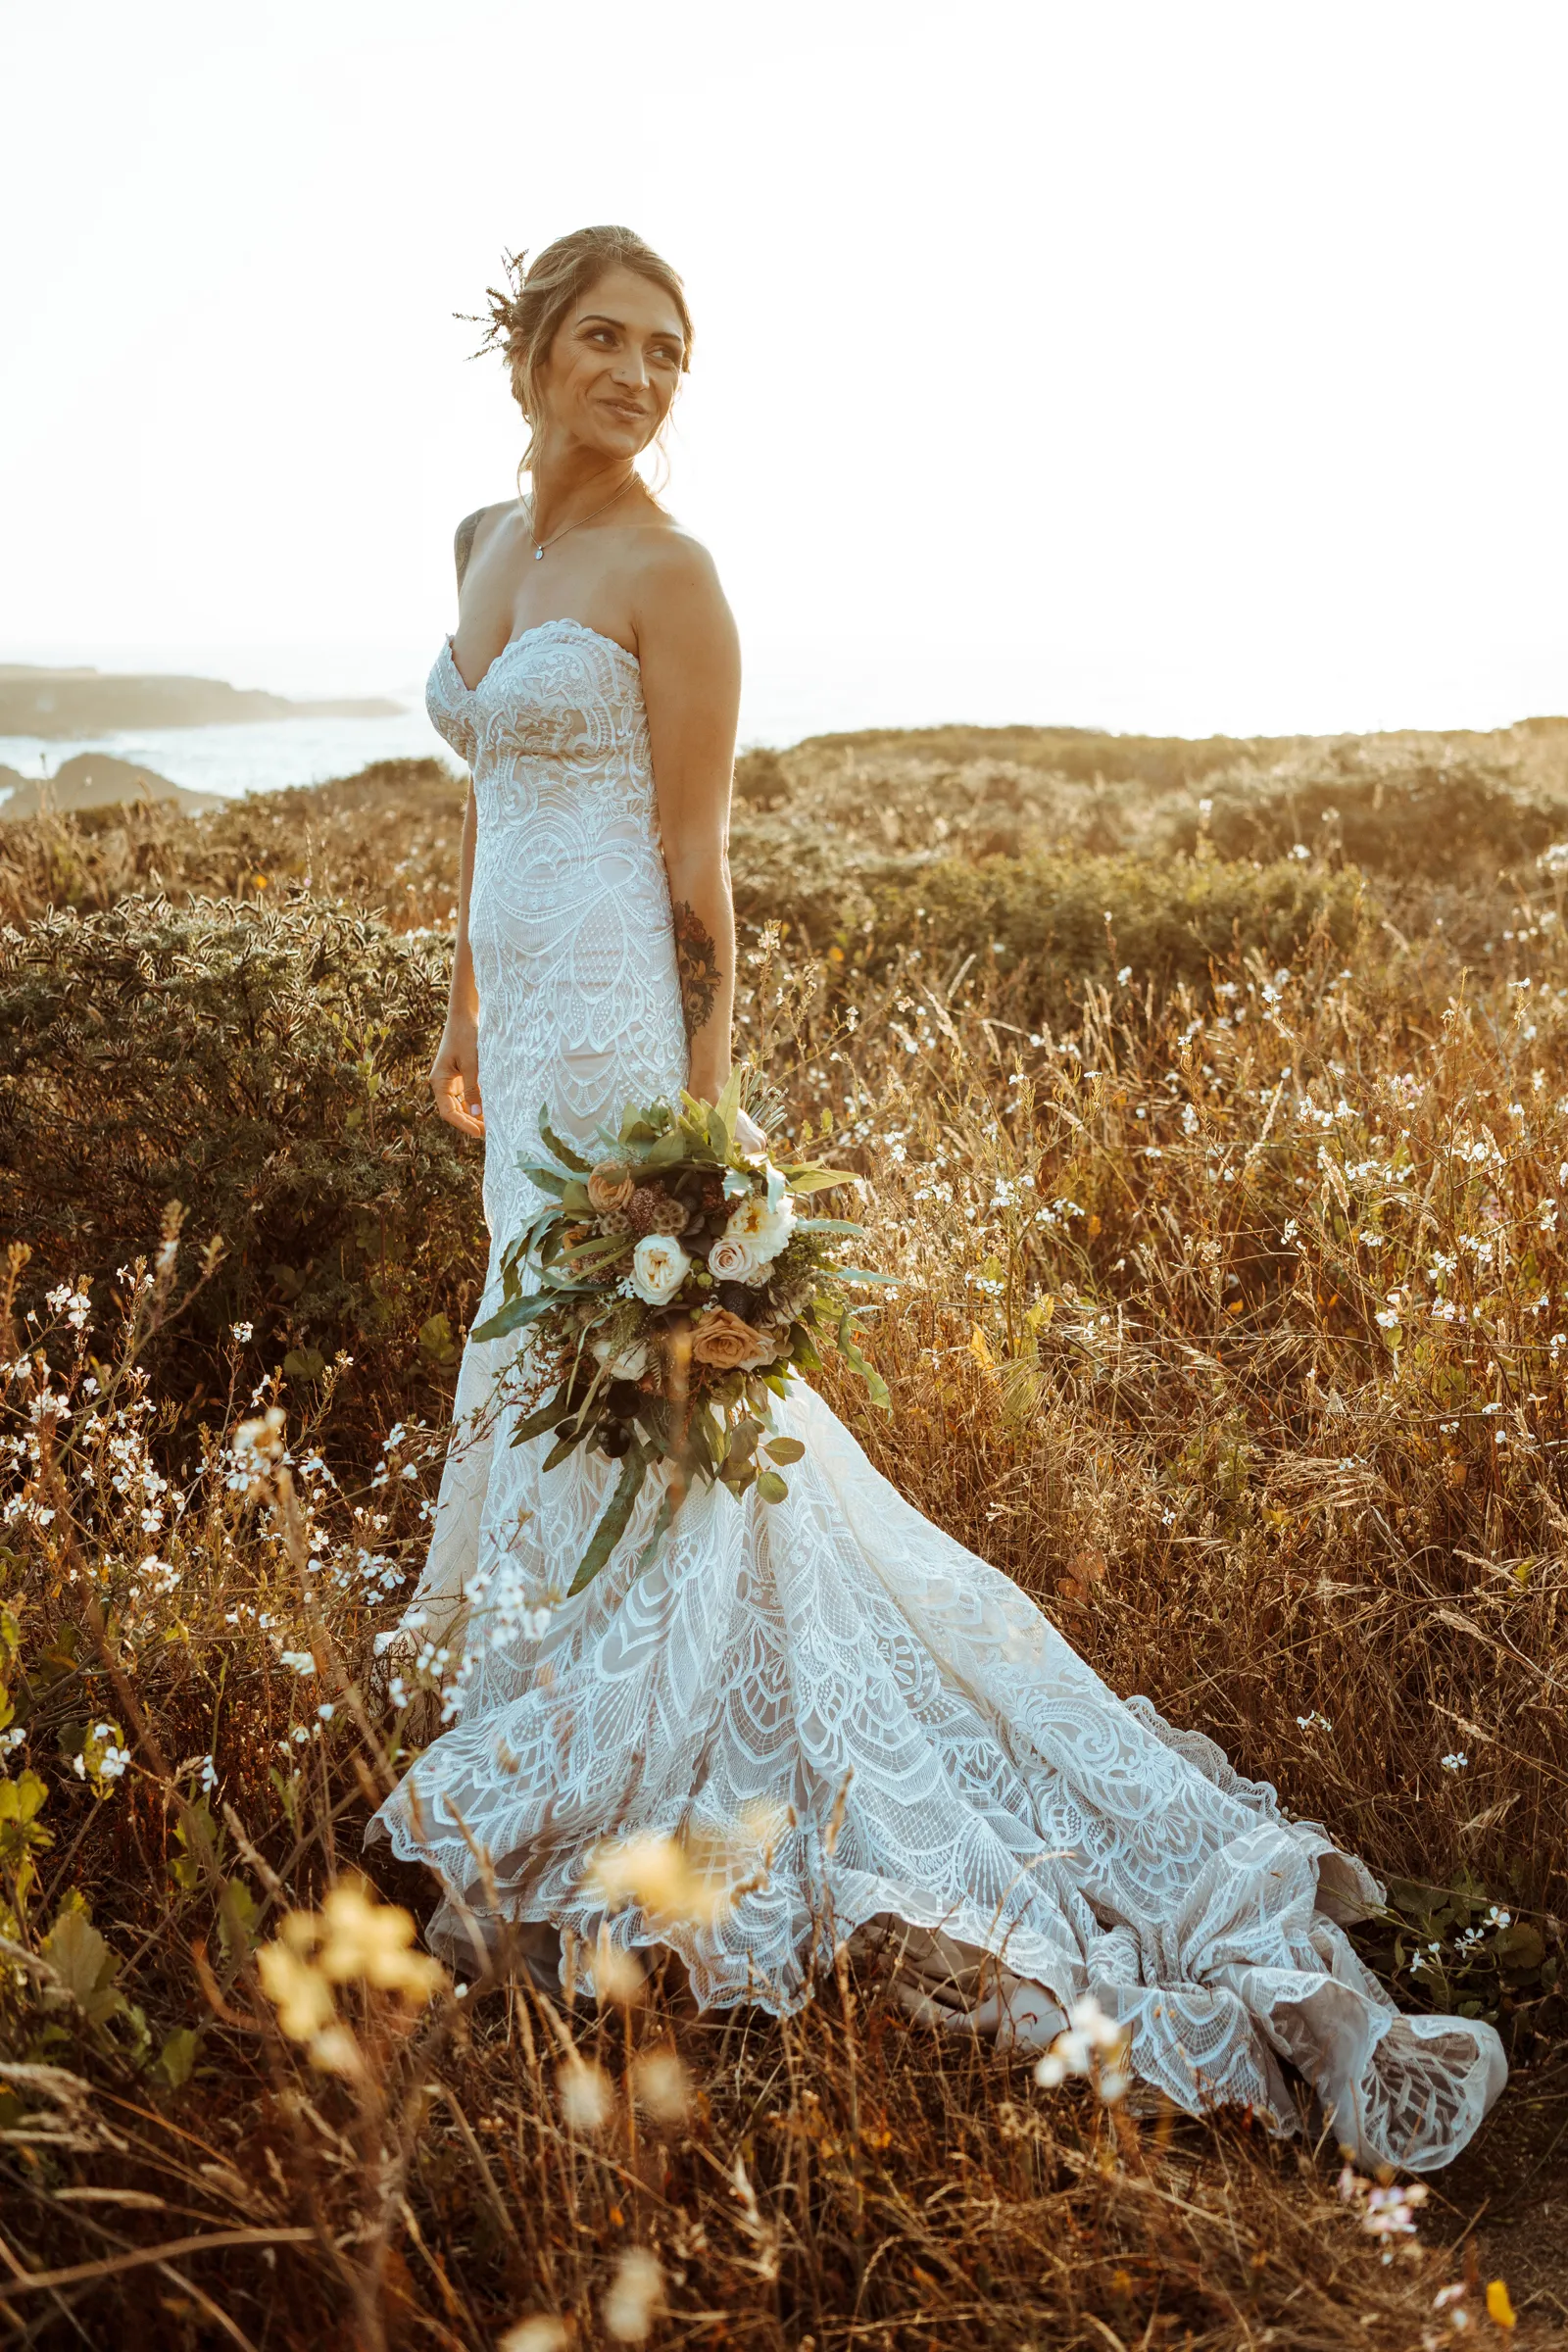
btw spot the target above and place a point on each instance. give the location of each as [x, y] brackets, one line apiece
[568, 917]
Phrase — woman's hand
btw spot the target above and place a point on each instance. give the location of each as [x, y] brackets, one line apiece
[455, 1075]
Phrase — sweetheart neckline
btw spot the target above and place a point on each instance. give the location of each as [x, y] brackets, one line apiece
[538, 629]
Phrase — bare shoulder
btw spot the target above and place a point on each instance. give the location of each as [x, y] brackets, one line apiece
[678, 587]
[467, 530]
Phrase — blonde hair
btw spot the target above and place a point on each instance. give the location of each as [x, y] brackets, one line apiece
[527, 314]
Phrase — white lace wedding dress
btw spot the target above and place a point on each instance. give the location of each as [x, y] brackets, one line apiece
[941, 1758]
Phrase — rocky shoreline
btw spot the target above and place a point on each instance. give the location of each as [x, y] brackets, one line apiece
[66, 703]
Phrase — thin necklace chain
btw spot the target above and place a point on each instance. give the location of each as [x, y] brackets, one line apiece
[539, 545]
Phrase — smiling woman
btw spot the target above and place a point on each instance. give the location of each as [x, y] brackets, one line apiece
[597, 335]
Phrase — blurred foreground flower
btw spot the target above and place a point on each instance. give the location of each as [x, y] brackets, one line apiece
[635, 2293]
[1387, 2212]
[1095, 2045]
[353, 1938]
[542, 2333]
[587, 2100]
[662, 2086]
[1500, 2311]
[697, 1878]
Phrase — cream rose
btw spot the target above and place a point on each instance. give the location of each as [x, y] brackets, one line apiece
[729, 1260]
[729, 1344]
[658, 1267]
[629, 1362]
[610, 1185]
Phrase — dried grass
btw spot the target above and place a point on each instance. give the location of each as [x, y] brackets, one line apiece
[1137, 1360]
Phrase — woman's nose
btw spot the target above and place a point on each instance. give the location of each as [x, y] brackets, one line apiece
[631, 372]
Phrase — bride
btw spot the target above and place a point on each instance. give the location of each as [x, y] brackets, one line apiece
[924, 1764]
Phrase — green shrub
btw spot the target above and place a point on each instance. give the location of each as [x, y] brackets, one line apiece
[1045, 917]
[267, 1069]
[1443, 820]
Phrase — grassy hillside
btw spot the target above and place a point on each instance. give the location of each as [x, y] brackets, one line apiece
[1213, 1100]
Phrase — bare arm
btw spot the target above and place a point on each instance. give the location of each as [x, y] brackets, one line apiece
[455, 1072]
[691, 666]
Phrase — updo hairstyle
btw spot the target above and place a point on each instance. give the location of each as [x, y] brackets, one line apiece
[527, 314]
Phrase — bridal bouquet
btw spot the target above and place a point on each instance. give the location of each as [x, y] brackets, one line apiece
[679, 1289]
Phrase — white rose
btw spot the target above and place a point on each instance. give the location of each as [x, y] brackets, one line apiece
[729, 1260]
[760, 1230]
[658, 1267]
[629, 1363]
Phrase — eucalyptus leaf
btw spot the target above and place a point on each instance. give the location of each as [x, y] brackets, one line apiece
[612, 1521]
[658, 1533]
[813, 1179]
[875, 1384]
[784, 1449]
[562, 1151]
[771, 1487]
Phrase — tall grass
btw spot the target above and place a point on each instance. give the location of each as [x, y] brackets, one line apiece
[1231, 1320]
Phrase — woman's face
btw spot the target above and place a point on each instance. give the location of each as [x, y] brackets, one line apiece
[614, 365]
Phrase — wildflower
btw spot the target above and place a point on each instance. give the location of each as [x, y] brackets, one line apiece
[697, 1878]
[303, 1661]
[1457, 1762]
[261, 1438]
[1390, 2212]
[662, 2086]
[1500, 2311]
[242, 1332]
[586, 2099]
[635, 2294]
[541, 2331]
[1091, 2039]
[299, 1992]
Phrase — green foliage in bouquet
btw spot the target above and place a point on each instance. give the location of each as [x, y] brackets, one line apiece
[670, 1291]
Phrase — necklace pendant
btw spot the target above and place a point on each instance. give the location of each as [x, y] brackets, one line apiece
[538, 555]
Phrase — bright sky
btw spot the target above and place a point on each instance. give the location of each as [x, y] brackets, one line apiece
[1175, 367]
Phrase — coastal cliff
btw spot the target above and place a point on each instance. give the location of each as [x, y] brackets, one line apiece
[66, 703]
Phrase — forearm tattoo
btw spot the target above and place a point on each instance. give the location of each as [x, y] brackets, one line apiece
[463, 545]
[697, 963]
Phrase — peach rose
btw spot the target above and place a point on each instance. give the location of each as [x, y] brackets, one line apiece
[729, 1344]
[610, 1185]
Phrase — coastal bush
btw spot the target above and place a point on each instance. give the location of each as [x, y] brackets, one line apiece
[265, 1068]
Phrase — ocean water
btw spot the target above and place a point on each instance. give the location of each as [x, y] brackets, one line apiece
[231, 761]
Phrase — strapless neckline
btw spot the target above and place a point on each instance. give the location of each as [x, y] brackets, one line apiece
[540, 628]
